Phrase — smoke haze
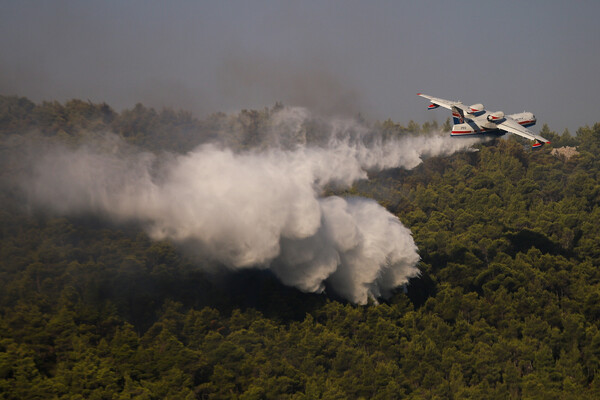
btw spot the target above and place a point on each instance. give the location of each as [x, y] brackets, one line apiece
[332, 56]
[257, 208]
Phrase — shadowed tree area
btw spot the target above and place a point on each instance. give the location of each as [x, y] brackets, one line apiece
[507, 305]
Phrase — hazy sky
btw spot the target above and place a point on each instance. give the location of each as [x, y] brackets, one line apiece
[334, 56]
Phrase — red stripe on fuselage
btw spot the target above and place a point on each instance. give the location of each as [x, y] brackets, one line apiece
[483, 131]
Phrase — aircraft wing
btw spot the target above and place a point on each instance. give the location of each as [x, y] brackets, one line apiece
[512, 126]
[444, 103]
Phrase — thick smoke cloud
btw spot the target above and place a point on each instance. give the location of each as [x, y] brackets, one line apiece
[258, 208]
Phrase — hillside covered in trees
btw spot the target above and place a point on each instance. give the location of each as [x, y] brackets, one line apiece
[507, 304]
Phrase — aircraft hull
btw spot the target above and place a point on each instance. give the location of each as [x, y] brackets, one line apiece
[476, 127]
[472, 129]
[494, 133]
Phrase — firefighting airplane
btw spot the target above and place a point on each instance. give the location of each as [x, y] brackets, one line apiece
[475, 120]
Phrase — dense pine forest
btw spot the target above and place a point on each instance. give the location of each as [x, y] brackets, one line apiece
[507, 305]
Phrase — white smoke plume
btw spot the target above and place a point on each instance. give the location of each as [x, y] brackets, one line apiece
[258, 208]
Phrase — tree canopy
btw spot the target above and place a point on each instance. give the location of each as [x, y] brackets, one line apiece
[507, 304]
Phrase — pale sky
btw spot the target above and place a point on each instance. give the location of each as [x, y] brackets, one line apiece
[333, 56]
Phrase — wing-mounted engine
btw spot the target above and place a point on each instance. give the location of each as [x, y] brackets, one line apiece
[476, 109]
[496, 117]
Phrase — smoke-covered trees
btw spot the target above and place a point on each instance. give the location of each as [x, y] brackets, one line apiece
[507, 305]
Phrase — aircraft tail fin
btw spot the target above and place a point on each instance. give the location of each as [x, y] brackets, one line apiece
[457, 115]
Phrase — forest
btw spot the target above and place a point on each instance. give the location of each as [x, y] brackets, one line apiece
[507, 305]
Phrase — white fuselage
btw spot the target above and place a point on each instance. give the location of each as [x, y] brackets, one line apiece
[479, 123]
